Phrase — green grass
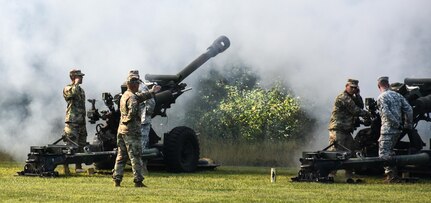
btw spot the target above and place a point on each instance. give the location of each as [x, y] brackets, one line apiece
[225, 184]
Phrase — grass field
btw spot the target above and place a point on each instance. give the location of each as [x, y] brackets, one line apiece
[225, 184]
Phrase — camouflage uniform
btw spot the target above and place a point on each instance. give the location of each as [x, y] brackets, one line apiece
[129, 139]
[147, 109]
[393, 109]
[75, 128]
[342, 122]
[344, 115]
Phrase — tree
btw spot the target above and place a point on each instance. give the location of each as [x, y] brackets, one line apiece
[232, 106]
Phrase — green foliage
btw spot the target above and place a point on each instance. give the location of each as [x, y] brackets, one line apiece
[260, 114]
[233, 106]
[226, 184]
[211, 89]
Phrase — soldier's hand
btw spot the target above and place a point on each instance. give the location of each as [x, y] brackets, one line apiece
[156, 88]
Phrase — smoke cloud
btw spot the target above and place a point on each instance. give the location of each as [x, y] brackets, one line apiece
[312, 45]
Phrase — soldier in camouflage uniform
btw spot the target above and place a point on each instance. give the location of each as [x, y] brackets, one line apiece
[396, 114]
[343, 117]
[129, 139]
[75, 128]
[147, 108]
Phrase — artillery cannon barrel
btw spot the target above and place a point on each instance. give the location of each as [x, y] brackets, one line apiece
[424, 84]
[218, 46]
[417, 81]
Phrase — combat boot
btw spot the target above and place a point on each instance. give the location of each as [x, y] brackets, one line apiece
[139, 184]
[117, 183]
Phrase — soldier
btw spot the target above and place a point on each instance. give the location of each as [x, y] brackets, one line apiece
[396, 114]
[342, 122]
[75, 129]
[146, 110]
[129, 139]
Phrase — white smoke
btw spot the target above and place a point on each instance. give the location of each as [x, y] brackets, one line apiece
[313, 45]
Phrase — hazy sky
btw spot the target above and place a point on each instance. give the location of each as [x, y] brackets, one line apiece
[313, 45]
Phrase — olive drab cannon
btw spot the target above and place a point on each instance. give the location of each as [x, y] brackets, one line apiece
[171, 85]
[410, 156]
[178, 153]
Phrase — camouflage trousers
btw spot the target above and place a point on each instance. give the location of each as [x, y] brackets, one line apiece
[345, 139]
[76, 133]
[145, 132]
[129, 146]
[386, 145]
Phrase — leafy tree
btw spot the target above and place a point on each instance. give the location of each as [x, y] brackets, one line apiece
[257, 114]
[232, 106]
[211, 90]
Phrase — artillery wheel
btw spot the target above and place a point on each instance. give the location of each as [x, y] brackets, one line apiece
[181, 150]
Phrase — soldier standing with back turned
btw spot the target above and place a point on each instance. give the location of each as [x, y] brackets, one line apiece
[129, 138]
[75, 129]
[343, 118]
[396, 115]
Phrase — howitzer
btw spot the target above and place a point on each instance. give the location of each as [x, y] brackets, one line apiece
[363, 159]
[171, 85]
[316, 166]
[178, 153]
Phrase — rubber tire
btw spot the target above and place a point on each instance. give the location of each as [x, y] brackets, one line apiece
[181, 150]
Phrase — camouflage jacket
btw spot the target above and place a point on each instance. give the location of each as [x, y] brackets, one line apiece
[75, 98]
[395, 112]
[130, 120]
[147, 107]
[344, 113]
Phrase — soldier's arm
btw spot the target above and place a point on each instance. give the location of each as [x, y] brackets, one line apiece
[358, 101]
[70, 92]
[133, 107]
[145, 95]
[408, 113]
[353, 108]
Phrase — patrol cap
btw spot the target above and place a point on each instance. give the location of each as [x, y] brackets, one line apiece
[134, 73]
[353, 82]
[75, 72]
[383, 78]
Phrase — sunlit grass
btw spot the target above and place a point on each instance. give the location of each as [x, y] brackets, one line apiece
[225, 184]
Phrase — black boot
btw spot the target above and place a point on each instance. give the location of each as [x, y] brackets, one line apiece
[117, 183]
[139, 184]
